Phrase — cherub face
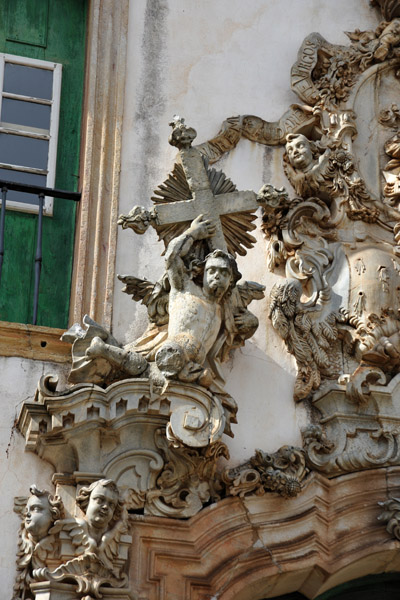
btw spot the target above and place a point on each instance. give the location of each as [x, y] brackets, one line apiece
[102, 504]
[38, 517]
[217, 276]
[299, 152]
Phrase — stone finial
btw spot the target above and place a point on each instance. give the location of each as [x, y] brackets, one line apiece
[181, 136]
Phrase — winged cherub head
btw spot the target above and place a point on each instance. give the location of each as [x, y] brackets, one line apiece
[101, 504]
[42, 510]
[300, 152]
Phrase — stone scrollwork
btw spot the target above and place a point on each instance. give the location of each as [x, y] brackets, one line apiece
[282, 472]
[141, 425]
[391, 516]
[335, 241]
[90, 552]
[188, 479]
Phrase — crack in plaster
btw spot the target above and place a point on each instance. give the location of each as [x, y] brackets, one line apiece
[11, 438]
[259, 542]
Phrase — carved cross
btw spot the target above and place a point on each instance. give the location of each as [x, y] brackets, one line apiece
[203, 201]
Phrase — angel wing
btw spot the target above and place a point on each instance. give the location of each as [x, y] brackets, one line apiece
[140, 289]
[250, 290]
[76, 531]
[154, 296]
[109, 548]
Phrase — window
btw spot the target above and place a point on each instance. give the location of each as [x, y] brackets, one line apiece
[36, 38]
[29, 117]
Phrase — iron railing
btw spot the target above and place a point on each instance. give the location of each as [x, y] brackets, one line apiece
[41, 192]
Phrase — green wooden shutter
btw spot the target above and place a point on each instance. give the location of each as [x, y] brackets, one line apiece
[52, 31]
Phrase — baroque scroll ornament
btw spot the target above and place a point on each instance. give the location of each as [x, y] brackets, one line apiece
[335, 239]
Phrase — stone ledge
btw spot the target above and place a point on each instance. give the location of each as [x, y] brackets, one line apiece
[34, 342]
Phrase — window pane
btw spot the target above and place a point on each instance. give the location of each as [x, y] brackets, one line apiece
[24, 151]
[25, 113]
[28, 81]
[19, 177]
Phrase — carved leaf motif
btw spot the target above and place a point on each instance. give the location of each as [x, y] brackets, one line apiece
[281, 472]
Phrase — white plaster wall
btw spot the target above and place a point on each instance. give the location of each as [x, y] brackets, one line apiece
[18, 470]
[207, 61]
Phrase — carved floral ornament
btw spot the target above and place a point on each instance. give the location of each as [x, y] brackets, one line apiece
[142, 424]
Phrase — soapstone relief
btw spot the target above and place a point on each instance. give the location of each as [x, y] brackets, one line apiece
[282, 472]
[335, 241]
[143, 422]
[89, 552]
[36, 542]
[391, 516]
[197, 311]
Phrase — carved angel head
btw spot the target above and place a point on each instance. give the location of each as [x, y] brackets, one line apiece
[300, 152]
[101, 504]
[42, 510]
[218, 273]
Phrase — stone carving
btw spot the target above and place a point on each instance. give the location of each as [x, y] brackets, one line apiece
[89, 551]
[390, 118]
[361, 426]
[36, 543]
[335, 241]
[315, 348]
[281, 472]
[327, 173]
[197, 310]
[389, 8]
[188, 479]
[391, 516]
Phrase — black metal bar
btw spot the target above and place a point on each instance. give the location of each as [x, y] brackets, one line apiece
[2, 225]
[38, 258]
[36, 189]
